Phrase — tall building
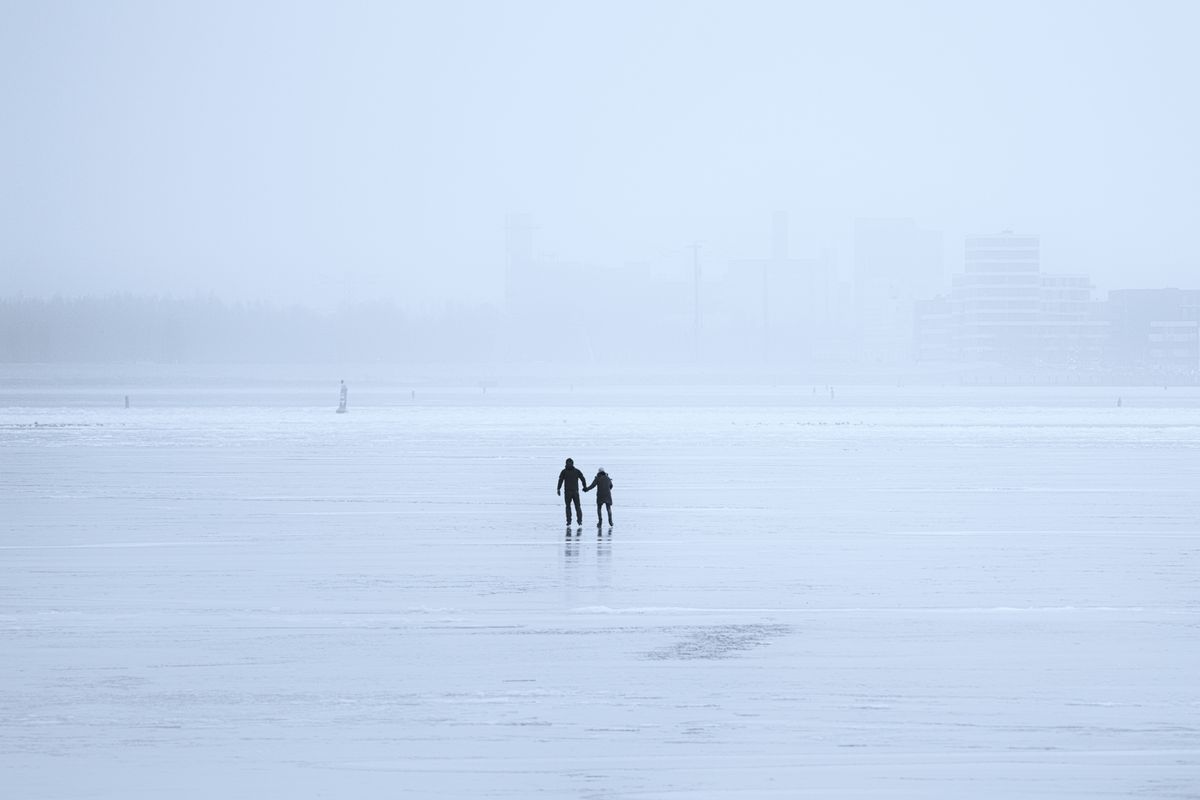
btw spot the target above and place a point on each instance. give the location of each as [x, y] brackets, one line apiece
[766, 289]
[779, 306]
[1003, 309]
[999, 297]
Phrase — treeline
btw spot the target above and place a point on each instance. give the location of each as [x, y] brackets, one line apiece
[171, 330]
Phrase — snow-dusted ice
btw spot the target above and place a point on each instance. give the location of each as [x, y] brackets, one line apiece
[901, 593]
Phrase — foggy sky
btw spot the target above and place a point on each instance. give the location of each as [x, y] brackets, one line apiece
[319, 152]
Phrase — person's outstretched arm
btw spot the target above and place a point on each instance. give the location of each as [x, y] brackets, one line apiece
[589, 487]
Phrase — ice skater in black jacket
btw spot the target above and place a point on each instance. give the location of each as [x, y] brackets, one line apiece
[603, 486]
[572, 479]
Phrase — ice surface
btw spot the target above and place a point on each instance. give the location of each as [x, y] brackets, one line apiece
[899, 593]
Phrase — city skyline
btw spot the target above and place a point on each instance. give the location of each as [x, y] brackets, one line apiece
[307, 153]
[1003, 309]
[719, 262]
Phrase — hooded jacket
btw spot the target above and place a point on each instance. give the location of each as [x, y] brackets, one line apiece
[603, 486]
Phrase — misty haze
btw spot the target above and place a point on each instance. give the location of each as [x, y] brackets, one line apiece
[858, 344]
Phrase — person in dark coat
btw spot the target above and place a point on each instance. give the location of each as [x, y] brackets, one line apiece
[571, 478]
[603, 486]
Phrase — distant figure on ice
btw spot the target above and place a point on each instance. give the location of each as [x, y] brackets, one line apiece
[572, 479]
[341, 409]
[603, 486]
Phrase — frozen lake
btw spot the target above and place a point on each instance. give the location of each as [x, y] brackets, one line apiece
[901, 593]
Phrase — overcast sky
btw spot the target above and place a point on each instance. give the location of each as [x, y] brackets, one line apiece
[310, 151]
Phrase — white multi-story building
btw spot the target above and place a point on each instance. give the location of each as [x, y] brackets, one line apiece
[998, 298]
[1004, 310]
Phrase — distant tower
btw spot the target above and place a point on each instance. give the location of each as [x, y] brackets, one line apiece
[896, 263]
[779, 256]
[779, 277]
[696, 292]
[518, 261]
